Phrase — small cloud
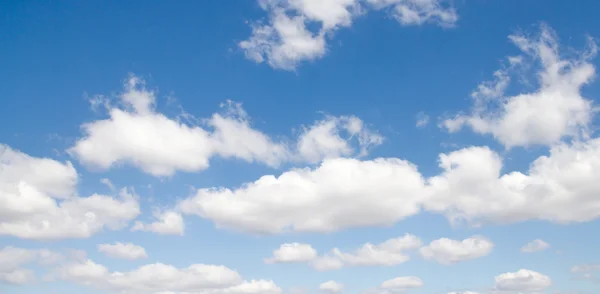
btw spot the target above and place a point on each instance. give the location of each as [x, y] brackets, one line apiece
[422, 120]
[535, 246]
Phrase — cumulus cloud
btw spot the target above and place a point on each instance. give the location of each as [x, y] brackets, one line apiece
[331, 287]
[522, 281]
[13, 261]
[195, 279]
[556, 110]
[535, 246]
[136, 134]
[364, 193]
[558, 187]
[389, 253]
[120, 250]
[448, 251]
[38, 200]
[286, 39]
[323, 139]
[293, 252]
[168, 223]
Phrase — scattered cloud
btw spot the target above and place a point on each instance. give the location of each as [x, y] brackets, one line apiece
[522, 281]
[555, 111]
[120, 250]
[136, 134]
[38, 200]
[197, 278]
[422, 120]
[331, 287]
[448, 251]
[13, 261]
[389, 253]
[397, 285]
[168, 223]
[535, 246]
[287, 37]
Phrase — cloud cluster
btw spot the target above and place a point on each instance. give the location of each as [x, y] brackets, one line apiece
[389, 253]
[135, 133]
[163, 278]
[555, 111]
[558, 187]
[287, 38]
[13, 260]
[38, 200]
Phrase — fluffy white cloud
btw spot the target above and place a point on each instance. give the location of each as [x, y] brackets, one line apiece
[138, 135]
[323, 139]
[535, 246]
[522, 281]
[448, 251]
[13, 260]
[286, 40]
[128, 251]
[162, 278]
[135, 133]
[293, 252]
[364, 193]
[38, 200]
[418, 12]
[464, 292]
[331, 287]
[389, 253]
[169, 223]
[558, 187]
[555, 111]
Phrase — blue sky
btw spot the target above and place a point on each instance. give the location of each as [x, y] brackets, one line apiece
[299, 146]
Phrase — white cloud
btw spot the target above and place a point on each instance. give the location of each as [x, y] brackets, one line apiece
[365, 193]
[286, 40]
[323, 139]
[389, 253]
[448, 251]
[418, 12]
[38, 200]
[558, 187]
[293, 252]
[535, 246]
[197, 278]
[522, 281]
[169, 223]
[398, 285]
[331, 287]
[556, 110]
[120, 250]
[108, 183]
[422, 120]
[464, 292]
[13, 260]
[585, 268]
[137, 134]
